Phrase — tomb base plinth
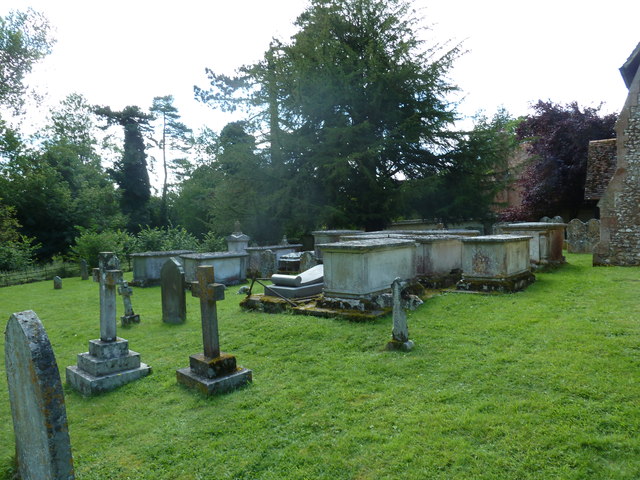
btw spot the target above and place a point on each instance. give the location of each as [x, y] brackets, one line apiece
[212, 376]
[513, 283]
[127, 320]
[398, 345]
[106, 366]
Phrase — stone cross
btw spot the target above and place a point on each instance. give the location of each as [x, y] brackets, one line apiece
[43, 448]
[400, 332]
[109, 275]
[129, 316]
[209, 293]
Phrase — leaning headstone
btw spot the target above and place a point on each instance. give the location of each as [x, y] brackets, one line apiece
[57, 283]
[212, 371]
[84, 271]
[43, 448]
[400, 332]
[109, 363]
[129, 316]
[307, 261]
[172, 290]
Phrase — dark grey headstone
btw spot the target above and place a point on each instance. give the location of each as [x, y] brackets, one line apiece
[57, 283]
[43, 448]
[84, 270]
[172, 284]
[267, 263]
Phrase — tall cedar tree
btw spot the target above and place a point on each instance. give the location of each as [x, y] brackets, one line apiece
[353, 104]
[130, 172]
[174, 136]
[558, 139]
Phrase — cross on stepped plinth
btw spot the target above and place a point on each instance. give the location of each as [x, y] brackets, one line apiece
[212, 371]
[109, 363]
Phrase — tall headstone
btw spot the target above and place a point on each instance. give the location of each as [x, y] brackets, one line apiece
[84, 271]
[43, 448]
[109, 363]
[267, 263]
[129, 316]
[57, 283]
[212, 371]
[172, 289]
[400, 332]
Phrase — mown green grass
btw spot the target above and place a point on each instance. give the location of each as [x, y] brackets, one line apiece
[542, 384]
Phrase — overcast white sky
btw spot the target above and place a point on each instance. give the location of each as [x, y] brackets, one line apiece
[120, 53]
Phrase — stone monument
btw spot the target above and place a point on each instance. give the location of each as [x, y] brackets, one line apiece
[57, 283]
[109, 363]
[212, 371]
[172, 285]
[400, 332]
[43, 448]
[84, 271]
[129, 316]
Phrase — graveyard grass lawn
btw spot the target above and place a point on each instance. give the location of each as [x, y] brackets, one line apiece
[541, 384]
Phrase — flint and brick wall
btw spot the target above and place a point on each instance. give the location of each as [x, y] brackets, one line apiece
[620, 205]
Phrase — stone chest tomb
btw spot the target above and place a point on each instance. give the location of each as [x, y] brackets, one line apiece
[496, 263]
[363, 268]
[547, 239]
[148, 265]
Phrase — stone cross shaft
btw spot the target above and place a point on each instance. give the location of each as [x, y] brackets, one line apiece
[126, 291]
[209, 293]
[400, 330]
[109, 277]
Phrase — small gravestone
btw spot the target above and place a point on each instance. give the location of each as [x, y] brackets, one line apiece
[129, 316]
[57, 283]
[84, 270]
[400, 332]
[172, 284]
[43, 448]
[212, 371]
[307, 261]
[109, 363]
[267, 263]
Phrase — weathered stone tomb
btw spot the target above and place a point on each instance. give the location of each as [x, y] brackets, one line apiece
[496, 263]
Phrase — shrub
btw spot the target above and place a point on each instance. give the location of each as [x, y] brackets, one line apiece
[90, 243]
[164, 239]
[17, 254]
[213, 243]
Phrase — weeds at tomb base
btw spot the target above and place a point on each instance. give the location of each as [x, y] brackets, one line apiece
[540, 384]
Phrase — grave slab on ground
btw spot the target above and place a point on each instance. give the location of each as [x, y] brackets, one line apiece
[109, 363]
[305, 284]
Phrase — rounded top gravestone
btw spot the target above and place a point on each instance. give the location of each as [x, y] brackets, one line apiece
[43, 448]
